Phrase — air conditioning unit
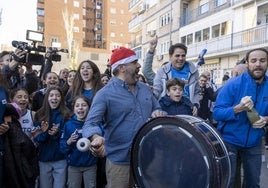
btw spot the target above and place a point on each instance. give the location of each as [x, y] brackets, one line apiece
[152, 33]
[159, 57]
[142, 8]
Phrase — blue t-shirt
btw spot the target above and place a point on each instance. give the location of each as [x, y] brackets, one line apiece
[184, 75]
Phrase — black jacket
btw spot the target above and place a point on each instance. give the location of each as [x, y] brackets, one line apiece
[20, 157]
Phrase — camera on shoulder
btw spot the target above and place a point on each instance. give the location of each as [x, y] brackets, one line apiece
[34, 54]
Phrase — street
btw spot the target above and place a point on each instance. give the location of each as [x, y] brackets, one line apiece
[264, 172]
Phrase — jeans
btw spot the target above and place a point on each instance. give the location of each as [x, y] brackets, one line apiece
[251, 161]
[1, 168]
[77, 174]
[53, 174]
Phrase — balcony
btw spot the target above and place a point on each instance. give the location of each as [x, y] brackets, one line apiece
[135, 24]
[203, 11]
[236, 42]
[136, 42]
[133, 3]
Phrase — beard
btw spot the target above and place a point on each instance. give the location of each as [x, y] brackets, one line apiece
[257, 76]
[132, 77]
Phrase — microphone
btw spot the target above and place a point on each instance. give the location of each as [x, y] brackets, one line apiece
[15, 43]
[64, 50]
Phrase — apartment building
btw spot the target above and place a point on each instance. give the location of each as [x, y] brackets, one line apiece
[89, 29]
[226, 28]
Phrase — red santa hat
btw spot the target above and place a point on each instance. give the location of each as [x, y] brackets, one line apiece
[122, 56]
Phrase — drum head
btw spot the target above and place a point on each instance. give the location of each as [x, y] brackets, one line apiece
[168, 152]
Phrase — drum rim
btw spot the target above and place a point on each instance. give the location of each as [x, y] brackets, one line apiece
[173, 120]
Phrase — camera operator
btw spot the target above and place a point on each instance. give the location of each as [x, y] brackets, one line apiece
[206, 94]
[10, 68]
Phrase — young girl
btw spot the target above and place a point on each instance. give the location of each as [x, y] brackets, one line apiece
[51, 79]
[82, 165]
[87, 82]
[50, 118]
[21, 98]
[67, 85]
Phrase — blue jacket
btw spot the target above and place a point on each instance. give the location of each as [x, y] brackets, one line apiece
[74, 156]
[3, 101]
[184, 106]
[236, 129]
[123, 112]
[49, 145]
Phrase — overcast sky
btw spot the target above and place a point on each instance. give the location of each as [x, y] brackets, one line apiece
[17, 16]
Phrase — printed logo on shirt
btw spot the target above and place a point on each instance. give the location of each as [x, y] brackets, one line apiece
[25, 121]
[4, 101]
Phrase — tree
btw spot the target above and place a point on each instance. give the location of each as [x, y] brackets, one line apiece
[73, 47]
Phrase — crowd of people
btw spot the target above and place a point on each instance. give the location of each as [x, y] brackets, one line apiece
[43, 116]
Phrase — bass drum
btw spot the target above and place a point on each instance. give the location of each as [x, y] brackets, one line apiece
[179, 151]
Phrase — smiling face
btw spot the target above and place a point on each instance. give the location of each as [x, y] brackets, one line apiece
[105, 80]
[21, 98]
[131, 72]
[202, 81]
[64, 74]
[175, 93]
[81, 109]
[86, 72]
[52, 79]
[178, 58]
[257, 64]
[54, 99]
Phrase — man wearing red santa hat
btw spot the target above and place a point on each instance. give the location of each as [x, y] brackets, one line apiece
[122, 106]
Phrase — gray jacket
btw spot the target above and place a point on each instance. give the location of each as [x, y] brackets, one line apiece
[164, 73]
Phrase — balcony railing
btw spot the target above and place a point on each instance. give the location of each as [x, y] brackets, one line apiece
[203, 11]
[254, 36]
[135, 22]
[136, 42]
[132, 3]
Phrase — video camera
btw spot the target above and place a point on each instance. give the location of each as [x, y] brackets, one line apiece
[33, 55]
[32, 58]
[54, 56]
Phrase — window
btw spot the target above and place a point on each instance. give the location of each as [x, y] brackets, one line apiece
[112, 34]
[138, 52]
[76, 29]
[98, 26]
[206, 34]
[40, 12]
[204, 8]
[98, 37]
[76, 4]
[164, 47]
[198, 36]
[40, 26]
[113, 10]
[76, 16]
[54, 39]
[113, 22]
[223, 28]
[190, 39]
[183, 40]
[98, 15]
[220, 2]
[216, 31]
[165, 19]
